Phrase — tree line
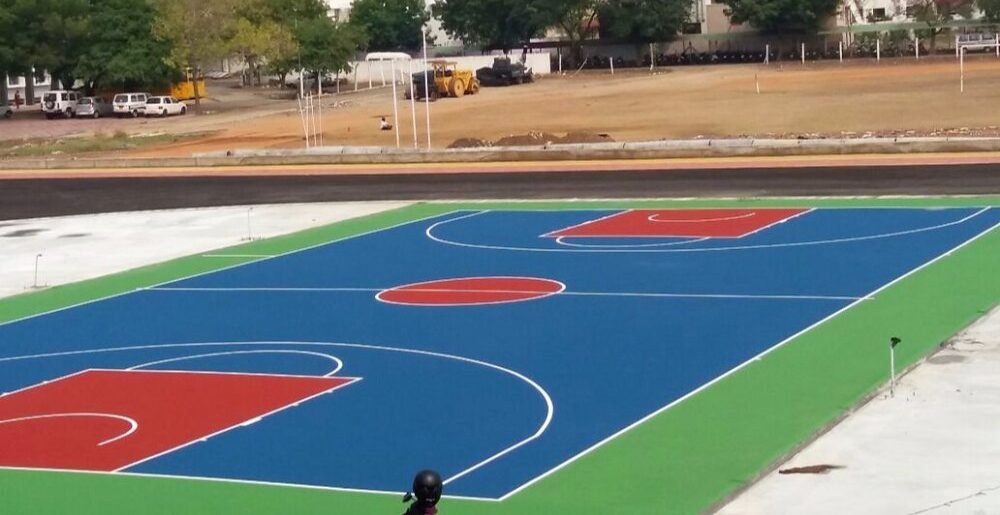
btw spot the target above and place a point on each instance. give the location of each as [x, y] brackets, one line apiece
[151, 43]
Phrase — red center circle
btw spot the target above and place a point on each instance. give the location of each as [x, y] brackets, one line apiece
[471, 291]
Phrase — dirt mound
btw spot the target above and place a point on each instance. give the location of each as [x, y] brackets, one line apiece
[532, 139]
[529, 139]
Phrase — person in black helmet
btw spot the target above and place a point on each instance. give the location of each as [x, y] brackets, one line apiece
[427, 488]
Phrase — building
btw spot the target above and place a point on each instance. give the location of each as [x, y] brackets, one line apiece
[30, 93]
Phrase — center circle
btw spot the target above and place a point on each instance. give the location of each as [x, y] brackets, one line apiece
[471, 291]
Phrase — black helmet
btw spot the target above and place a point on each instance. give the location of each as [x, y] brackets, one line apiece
[427, 487]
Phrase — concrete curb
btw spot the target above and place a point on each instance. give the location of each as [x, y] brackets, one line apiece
[551, 153]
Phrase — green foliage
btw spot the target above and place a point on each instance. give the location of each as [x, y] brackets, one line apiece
[327, 46]
[783, 16]
[489, 24]
[390, 24]
[52, 35]
[644, 21]
[121, 50]
[990, 9]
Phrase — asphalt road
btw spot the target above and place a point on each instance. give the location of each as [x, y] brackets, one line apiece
[29, 198]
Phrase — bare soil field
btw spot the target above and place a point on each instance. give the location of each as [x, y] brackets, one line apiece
[857, 99]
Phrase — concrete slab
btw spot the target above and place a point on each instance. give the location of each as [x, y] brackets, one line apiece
[933, 448]
[75, 248]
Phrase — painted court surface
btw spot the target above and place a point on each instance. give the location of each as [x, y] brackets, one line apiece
[495, 346]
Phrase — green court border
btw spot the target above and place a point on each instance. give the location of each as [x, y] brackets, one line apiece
[684, 460]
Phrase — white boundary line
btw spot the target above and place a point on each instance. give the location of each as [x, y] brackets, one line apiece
[243, 423]
[655, 217]
[547, 399]
[133, 425]
[237, 481]
[337, 361]
[741, 365]
[430, 235]
[237, 255]
[538, 295]
[778, 222]
[230, 267]
[555, 233]
[553, 294]
[560, 240]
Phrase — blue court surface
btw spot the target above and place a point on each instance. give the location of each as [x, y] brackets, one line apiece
[492, 395]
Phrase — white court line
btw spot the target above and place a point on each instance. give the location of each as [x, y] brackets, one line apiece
[550, 406]
[237, 255]
[656, 218]
[407, 287]
[337, 362]
[234, 426]
[740, 366]
[551, 234]
[429, 232]
[777, 222]
[237, 481]
[561, 240]
[230, 267]
[562, 293]
[133, 425]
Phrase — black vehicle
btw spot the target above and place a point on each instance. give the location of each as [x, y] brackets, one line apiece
[504, 73]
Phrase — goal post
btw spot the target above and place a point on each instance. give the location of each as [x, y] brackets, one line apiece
[973, 42]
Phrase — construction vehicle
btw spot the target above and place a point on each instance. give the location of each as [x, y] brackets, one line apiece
[504, 73]
[444, 80]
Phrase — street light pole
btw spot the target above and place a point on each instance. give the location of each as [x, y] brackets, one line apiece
[35, 283]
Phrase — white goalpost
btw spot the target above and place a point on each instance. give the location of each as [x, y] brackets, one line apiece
[963, 44]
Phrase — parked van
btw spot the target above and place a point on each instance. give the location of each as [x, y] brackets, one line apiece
[60, 103]
[130, 104]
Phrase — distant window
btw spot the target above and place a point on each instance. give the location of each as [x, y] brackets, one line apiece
[13, 81]
[153, 100]
[691, 28]
[41, 78]
[878, 15]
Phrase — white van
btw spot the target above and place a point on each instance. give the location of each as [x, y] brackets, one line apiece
[60, 104]
[130, 104]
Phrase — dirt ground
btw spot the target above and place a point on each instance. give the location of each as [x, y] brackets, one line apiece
[858, 99]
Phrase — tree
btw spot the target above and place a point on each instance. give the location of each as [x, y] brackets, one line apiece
[644, 21]
[121, 50]
[327, 46]
[198, 31]
[577, 19]
[936, 14]
[57, 30]
[263, 41]
[990, 9]
[782, 16]
[390, 24]
[495, 24]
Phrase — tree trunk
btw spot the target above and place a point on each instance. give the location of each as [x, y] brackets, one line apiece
[4, 100]
[29, 88]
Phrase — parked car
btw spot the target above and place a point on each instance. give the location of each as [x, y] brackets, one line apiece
[6, 112]
[130, 104]
[94, 107]
[165, 106]
[60, 104]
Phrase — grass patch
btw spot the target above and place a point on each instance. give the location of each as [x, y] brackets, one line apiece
[76, 145]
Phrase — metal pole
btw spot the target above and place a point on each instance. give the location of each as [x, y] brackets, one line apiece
[427, 87]
[34, 284]
[998, 44]
[413, 104]
[803, 51]
[961, 71]
[893, 342]
[767, 53]
[612, 61]
[395, 102]
[319, 89]
[652, 58]
[249, 232]
[917, 48]
[840, 50]
[878, 50]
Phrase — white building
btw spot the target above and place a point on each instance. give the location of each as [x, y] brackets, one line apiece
[18, 87]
